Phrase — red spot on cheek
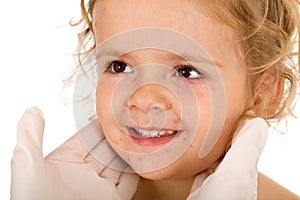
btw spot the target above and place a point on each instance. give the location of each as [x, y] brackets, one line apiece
[176, 121]
[118, 141]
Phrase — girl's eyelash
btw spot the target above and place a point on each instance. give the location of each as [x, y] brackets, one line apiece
[117, 67]
[108, 62]
[188, 71]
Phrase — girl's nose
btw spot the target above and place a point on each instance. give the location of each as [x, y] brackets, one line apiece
[150, 96]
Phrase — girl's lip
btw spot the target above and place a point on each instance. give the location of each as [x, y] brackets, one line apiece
[151, 141]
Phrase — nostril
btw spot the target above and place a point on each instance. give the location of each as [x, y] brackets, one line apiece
[161, 107]
[157, 108]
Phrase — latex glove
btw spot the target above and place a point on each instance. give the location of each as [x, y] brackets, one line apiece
[70, 172]
[236, 176]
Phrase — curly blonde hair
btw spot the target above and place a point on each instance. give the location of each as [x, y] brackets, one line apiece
[267, 30]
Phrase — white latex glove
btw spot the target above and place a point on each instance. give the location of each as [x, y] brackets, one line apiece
[70, 172]
[236, 176]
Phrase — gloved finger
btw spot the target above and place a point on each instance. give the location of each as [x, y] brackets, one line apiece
[91, 135]
[200, 178]
[94, 141]
[238, 170]
[30, 134]
[127, 185]
[114, 169]
[247, 146]
[79, 148]
[72, 151]
[105, 155]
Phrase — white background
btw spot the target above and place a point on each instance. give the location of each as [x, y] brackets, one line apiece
[36, 44]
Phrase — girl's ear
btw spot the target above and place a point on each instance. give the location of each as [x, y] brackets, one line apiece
[269, 93]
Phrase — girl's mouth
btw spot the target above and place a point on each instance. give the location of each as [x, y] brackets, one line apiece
[152, 137]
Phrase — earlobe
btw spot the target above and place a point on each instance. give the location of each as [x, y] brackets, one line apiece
[268, 93]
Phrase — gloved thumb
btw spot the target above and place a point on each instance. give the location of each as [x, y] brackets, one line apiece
[30, 134]
[28, 157]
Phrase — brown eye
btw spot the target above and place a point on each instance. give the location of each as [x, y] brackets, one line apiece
[119, 67]
[187, 71]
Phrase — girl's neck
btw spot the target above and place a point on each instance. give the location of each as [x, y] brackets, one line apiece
[163, 189]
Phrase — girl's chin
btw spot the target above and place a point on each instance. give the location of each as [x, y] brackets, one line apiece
[172, 171]
[167, 174]
[156, 175]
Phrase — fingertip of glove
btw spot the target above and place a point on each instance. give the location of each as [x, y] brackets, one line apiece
[257, 123]
[31, 125]
[261, 125]
[260, 121]
[31, 114]
[263, 131]
[36, 111]
[255, 130]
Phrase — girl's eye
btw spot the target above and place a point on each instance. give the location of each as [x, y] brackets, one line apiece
[116, 67]
[187, 71]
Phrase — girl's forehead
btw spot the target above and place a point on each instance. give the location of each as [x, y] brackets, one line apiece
[112, 17]
[184, 16]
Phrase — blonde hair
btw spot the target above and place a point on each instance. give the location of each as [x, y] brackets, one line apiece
[267, 32]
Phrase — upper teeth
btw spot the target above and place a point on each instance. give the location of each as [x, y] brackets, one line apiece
[153, 133]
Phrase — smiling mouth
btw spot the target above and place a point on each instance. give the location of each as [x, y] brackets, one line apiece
[152, 136]
[151, 133]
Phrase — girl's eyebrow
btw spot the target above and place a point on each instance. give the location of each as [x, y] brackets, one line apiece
[190, 56]
[109, 52]
[196, 58]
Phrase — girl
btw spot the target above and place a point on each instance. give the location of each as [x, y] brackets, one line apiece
[183, 89]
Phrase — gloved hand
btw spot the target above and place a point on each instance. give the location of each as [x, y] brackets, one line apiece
[236, 176]
[70, 172]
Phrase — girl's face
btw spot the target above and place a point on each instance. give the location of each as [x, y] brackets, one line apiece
[111, 17]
